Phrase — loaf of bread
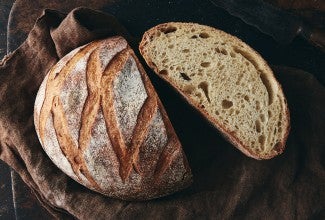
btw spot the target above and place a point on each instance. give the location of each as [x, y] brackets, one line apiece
[100, 121]
[225, 80]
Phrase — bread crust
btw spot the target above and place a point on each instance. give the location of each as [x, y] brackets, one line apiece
[148, 35]
[101, 122]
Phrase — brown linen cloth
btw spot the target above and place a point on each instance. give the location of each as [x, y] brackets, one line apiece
[226, 185]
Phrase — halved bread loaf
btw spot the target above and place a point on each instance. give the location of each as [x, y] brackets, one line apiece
[100, 121]
[224, 79]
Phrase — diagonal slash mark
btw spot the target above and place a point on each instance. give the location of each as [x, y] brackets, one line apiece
[100, 87]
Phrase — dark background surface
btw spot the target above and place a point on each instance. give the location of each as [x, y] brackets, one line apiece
[6, 201]
[134, 15]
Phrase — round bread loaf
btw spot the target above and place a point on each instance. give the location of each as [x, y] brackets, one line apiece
[101, 122]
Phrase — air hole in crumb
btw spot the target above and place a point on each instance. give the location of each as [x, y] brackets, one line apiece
[217, 113]
[226, 104]
[194, 37]
[198, 95]
[204, 35]
[164, 61]
[258, 105]
[178, 68]
[232, 54]
[248, 56]
[262, 117]
[169, 29]
[268, 87]
[202, 106]
[205, 64]
[237, 112]
[192, 30]
[269, 113]
[246, 98]
[261, 140]
[224, 52]
[204, 86]
[189, 89]
[258, 126]
[185, 50]
[221, 67]
[171, 46]
[163, 72]
[185, 76]
[171, 68]
[163, 54]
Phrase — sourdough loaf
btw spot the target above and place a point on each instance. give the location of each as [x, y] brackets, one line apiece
[225, 80]
[100, 121]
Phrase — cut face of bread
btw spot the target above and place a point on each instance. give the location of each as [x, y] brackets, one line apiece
[226, 80]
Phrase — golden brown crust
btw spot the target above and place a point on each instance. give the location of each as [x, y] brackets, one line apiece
[69, 149]
[54, 83]
[148, 35]
[174, 145]
[127, 156]
[98, 118]
[53, 104]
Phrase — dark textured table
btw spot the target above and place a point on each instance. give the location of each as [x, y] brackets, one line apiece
[6, 200]
[298, 54]
[5, 6]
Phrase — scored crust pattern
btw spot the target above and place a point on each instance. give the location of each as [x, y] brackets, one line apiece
[100, 87]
